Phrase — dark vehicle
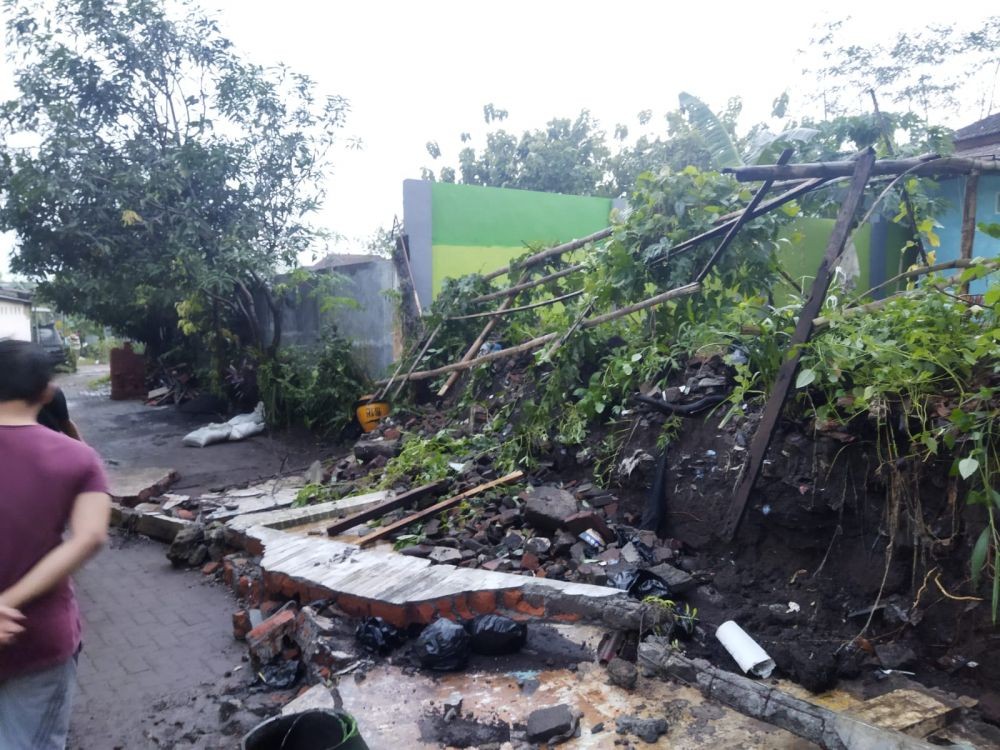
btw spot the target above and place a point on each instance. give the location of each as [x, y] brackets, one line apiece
[49, 339]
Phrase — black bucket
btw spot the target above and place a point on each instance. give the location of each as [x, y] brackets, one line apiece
[310, 730]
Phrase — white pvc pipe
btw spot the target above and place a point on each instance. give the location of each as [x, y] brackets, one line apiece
[745, 650]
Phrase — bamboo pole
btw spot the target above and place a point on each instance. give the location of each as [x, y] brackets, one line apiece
[551, 252]
[522, 308]
[527, 285]
[968, 221]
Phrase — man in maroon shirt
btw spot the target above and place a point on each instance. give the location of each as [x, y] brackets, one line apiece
[48, 483]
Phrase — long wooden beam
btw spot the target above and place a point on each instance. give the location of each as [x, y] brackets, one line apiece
[392, 528]
[803, 330]
[922, 166]
[400, 501]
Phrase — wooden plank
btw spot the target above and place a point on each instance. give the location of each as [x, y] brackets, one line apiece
[803, 330]
[968, 222]
[437, 508]
[400, 501]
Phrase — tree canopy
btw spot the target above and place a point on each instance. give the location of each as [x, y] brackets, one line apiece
[169, 179]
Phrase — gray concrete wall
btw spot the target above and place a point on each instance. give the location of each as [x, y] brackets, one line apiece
[370, 323]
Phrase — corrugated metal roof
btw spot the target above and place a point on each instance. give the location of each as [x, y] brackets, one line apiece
[987, 126]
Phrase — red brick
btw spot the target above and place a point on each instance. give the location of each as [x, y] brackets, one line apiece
[243, 587]
[354, 606]
[241, 624]
[394, 614]
[483, 602]
[228, 572]
[291, 588]
[184, 514]
[256, 592]
[511, 598]
[524, 607]
[461, 607]
[269, 607]
[566, 617]
[530, 561]
[421, 612]
[444, 608]
[289, 654]
[266, 640]
[210, 568]
[254, 546]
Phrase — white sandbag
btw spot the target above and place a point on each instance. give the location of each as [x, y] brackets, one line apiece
[211, 433]
[245, 430]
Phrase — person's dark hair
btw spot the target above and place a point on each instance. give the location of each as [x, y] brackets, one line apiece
[25, 371]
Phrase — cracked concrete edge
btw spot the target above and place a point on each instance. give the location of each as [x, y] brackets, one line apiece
[405, 590]
[158, 526]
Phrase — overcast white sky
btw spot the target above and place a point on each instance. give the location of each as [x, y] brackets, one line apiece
[419, 71]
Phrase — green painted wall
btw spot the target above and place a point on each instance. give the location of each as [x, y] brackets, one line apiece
[479, 229]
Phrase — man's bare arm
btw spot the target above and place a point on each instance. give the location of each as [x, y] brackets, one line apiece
[88, 529]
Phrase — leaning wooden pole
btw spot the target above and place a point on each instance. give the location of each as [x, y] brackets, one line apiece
[803, 330]
[551, 252]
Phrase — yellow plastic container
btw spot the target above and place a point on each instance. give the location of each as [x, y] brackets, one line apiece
[370, 413]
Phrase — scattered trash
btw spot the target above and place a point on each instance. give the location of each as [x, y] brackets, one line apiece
[495, 634]
[592, 538]
[309, 730]
[793, 607]
[745, 650]
[282, 675]
[640, 584]
[378, 636]
[444, 646]
[239, 427]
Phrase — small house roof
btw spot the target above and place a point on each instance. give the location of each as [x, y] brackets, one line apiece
[335, 260]
[15, 295]
[978, 133]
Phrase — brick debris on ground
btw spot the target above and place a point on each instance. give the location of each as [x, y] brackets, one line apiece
[157, 650]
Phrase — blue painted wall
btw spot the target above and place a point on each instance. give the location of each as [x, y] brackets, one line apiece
[951, 220]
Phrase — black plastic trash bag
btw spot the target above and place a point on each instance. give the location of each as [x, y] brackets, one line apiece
[496, 634]
[318, 729]
[444, 645]
[378, 636]
[281, 675]
[640, 583]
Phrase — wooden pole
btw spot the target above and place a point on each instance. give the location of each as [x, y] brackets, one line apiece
[522, 308]
[476, 345]
[923, 166]
[681, 291]
[968, 222]
[533, 260]
[400, 501]
[392, 528]
[742, 219]
[416, 361]
[527, 285]
[803, 329]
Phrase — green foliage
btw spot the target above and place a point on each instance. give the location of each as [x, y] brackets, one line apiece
[316, 388]
[425, 460]
[168, 171]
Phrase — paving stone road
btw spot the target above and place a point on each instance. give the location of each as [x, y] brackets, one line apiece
[154, 638]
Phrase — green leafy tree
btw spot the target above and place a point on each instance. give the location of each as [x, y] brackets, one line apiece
[172, 180]
[938, 68]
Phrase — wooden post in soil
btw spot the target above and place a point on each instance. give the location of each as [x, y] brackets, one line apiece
[803, 330]
[968, 222]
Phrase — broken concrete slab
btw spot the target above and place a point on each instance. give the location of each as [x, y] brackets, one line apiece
[269, 495]
[404, 590]
[316, 698]
[156, 526]
[912, 712]
[130, 487]
[283, 518]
